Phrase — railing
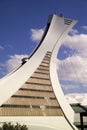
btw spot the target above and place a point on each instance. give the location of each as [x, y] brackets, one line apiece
[83, 125]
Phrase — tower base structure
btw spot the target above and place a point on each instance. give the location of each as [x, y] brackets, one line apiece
[32, 94]
[41, 123]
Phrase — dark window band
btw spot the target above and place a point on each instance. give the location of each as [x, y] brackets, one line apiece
[45, 73]
[49, 52]
[21, 96]
[67, 23]
[44, 65]
[43, 68]
[46, 59]
[45, 62]
[27, 89]
[39, 78]
[33, 97]
[29, 106]
[68, 20]
[38, 84]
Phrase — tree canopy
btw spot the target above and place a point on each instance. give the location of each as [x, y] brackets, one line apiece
[9, 126]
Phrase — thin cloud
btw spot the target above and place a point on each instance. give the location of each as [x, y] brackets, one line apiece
[73, 32]
[14, 61]
[1, 47]
[36, 34]
[77, 42]
[84, 27]
[2, 70]
[73, 69]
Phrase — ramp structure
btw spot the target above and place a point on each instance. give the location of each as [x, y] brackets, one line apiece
[32, 93]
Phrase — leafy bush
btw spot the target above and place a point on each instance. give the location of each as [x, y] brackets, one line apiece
[9, 126]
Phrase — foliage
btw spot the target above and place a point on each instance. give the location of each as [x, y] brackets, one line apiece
[9, 126]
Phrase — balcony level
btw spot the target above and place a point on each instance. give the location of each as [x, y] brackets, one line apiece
[80, 116]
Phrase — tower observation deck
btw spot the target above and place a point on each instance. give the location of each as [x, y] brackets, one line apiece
[32, 93]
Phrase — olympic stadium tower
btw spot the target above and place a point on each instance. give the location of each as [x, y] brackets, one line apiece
[31, 94]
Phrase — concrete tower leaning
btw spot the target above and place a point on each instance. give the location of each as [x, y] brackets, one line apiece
[32, 93]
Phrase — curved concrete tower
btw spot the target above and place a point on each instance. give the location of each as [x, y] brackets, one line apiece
[32, 93]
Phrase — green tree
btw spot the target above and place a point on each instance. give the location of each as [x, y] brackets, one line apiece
[9, 126]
